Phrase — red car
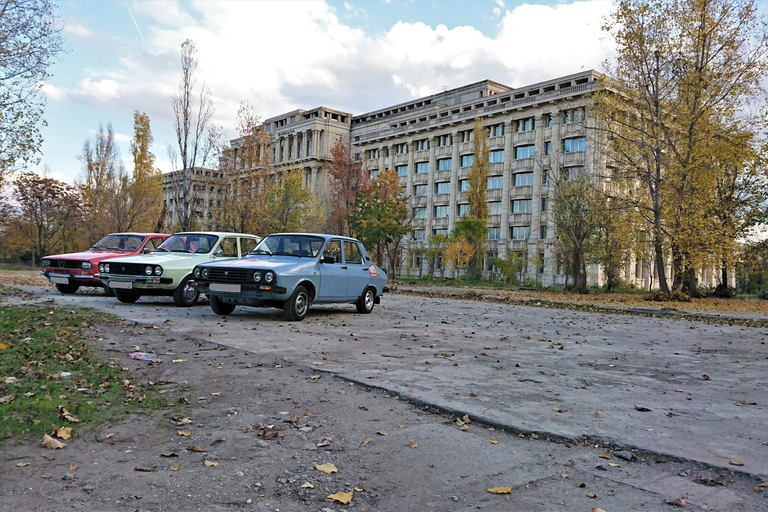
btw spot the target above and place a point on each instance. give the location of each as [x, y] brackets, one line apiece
[71, 271]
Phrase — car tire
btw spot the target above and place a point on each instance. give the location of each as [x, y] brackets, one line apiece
[220, 307]
[67, 289]
[184, 295]
[126, 297]
[109, 292]
[366, 301]
[295, 308]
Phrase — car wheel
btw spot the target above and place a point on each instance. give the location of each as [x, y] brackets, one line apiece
[109, 292]
[126, 297]
[185, 295]
[67, 289]
[220, 307]
[297, 306]
[366, 301]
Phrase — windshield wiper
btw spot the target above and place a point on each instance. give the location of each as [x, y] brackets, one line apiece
[160, 249]
[259, 251]
[182, 250]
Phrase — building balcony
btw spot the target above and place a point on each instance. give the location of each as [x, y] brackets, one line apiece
[521, 192]
[441, 199]
[444, 151]
[421, 178]
[420, 156]
[465, 147]
[518, 245]
[418, 223]
[522, 138]
[493, 194]
[572, 130]
[464, 173]
[496, 169]
[496, 142]
[494, 220]
[440, 223]
[520, 219]
[419, 201]
[522, 164]
[443, 176]
[575, 158]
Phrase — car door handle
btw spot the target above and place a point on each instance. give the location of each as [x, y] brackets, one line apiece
[343, 266]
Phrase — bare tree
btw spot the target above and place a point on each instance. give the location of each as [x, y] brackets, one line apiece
[30, 39]
[195, 137]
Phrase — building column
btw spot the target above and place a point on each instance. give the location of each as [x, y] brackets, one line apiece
[506, 187]
[455, 166]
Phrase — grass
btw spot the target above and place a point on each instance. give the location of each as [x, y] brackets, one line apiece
[39, 345]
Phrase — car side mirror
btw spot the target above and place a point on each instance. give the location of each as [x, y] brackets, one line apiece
[146, 250]
[327, 258]
[218, 253]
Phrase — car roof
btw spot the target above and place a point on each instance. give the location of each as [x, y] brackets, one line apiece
[321, 235]
[217, 233]
[139, 233]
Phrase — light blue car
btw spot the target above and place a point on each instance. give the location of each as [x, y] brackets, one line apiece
[291, 271]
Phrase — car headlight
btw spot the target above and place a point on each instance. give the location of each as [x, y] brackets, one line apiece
[106, 268]
[196, 272]
[204, 273]
[87, 265]
[158, 270]
[269, 277]
[257, 276]
[148, 270]
[45, 263]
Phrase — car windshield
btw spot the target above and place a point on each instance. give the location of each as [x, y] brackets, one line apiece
[290, 245]
[119, 243]
[195, 243]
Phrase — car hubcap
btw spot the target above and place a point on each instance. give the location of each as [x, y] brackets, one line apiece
[368, 300]
[301, 304]
[189, 293]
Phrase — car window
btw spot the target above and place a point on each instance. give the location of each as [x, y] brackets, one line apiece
[228, 248]
[333, 249]
[352, 253]
[153, 243]
[246, 244]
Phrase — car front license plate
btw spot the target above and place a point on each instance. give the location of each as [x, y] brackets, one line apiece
[218, 287]
[60, 280]
[121, 285]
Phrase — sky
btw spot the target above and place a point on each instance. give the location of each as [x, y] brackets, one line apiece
[352, 55]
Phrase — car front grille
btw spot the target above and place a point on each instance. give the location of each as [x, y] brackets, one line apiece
[127, 269]
[66, 263]
[227, 275]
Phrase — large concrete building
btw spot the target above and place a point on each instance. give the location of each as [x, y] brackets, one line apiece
[533, 131]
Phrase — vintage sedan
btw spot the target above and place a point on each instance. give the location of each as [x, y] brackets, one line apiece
[71, 271]
[168, 269]
[292, 271]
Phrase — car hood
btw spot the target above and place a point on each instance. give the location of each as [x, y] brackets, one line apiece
[276, 263]
[169, 259]
[90, 255]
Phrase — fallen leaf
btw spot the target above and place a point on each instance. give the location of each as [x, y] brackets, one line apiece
[534, 436]
[606, 454]
[24, 464]
[185, 433]
[3, 346]
[6, 399]
[110, 435]
[64, 432]
[211, 464]
[176, 467]
[466, 418]
[734, 462]
[307, 485]
[342, 497]
[326, 468]
[414, 444]
[494, 441]
[557, 409]
[317, 363]
[382, 433]
[642, 409]
[46, 475]
[764, 484]
[613, 464]
[215, 393]
[145, 469]
[168, 454]
[363, 408]
[184, 421]
[10, 380]
[195, 448]
[464, 428]
[53, 444]
[179, 361]
[500, 490]
[595, 509]
[315, 377]
[368, 441]
[597, 414]
[591, 495]
[401, 426]
[73, 466]
[679, 502]
[564, 475]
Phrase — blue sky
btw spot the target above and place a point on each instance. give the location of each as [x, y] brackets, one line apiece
[355, 56]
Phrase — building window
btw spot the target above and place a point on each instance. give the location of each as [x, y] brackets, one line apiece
[494, 208]
[544, 204]
[444, 164]
[520, 232]
[497, 130]
[441, 211]
[466, 160]
[524, 151]
[522, 206]
[496, 156]
[462, 210]
[467, 135]
[422, 145]
[402, 170]
[543, 232]
[574, 144]
[525, 125]
[419, 213]
[422, 167]
[401, 149]
[374, 174]
[544, 176]
[418, 235]
[570, 173]
[494, 182]
[443, 187]
[419, 190]
[494, 233]
[524, 179]
[541, 263]
[444, 140]
[574, 115]
[548, 120]
[463, 185]
[373, 153]
[547, 147]
[442, 232]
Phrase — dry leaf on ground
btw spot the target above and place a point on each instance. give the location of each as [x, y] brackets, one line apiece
[326, 468]
[53, 444]
[500, 490]
[211, 464]
[341, 497]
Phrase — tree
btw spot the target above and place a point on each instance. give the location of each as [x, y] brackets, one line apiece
[436, 250]
[30, 39]
[145, 190]
[474, 226]
[101, 184]
[383, 218]
[684, 70]
[511, 267]
[290, 206]
[195, 137]
[46, 209]
[459, 252]
[348, 180]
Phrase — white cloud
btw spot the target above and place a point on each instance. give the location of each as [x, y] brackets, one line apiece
[100, 90]
[76, 28]
[122, 138]
[54, 93]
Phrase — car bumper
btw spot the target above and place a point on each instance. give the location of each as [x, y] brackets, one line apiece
[137, 282]
[248, 291]
[71, 278]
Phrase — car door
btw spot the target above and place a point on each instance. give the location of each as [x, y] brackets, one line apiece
[333, 276]
[227, 248]
[357, 270]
